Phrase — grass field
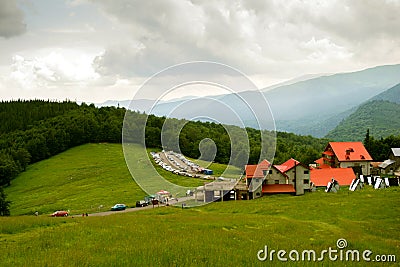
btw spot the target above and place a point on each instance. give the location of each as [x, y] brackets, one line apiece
[80, 180]
[218, 234]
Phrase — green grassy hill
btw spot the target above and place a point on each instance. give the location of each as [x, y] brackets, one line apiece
[80, 179]
[84, 178]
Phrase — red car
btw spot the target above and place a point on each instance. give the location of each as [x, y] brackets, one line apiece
[60, 213]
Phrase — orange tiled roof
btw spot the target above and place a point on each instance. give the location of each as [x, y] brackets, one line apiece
[257, 171]
[278, 188]
[319, 161]
[265, 164]
[253, 172]
[350, 151]
[287, 165]
[321, 177]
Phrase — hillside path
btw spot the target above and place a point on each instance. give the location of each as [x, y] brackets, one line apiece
[173, 203]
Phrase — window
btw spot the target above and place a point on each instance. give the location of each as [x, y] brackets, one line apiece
[276, 181]
[270, 171]
[257, 180]
[306, 172]
[264, 172]
[306, 181]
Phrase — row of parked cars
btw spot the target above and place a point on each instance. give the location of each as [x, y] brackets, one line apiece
[182, 171]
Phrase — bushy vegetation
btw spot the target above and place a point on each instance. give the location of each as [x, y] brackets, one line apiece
[379, 149]
[4, 204]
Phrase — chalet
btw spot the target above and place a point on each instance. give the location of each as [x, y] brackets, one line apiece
[296, 174]
[289, 177]
[346, 155]
[391, 165]
[255, 175]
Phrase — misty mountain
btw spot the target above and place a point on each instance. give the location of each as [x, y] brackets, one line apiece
[391, 95]
[308, 107]
[380, 115]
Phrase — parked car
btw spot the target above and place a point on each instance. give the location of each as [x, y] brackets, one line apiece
[118, 207]
[141, 203]
[60, 213]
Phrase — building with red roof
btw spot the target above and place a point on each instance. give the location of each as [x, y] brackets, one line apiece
[321, 177]
[255, 175]
[296, 173]
[346, 155]
[289, 177]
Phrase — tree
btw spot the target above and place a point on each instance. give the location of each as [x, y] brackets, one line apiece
[4, 204]
[8, 169]
[367, 141]
[22, 156]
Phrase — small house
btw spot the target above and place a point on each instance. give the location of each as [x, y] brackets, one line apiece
[391, 165]
[255, 175]
[290, 177]
[346, 155]
[294, 172]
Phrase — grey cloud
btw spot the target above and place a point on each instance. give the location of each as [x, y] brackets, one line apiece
[11, 19]
[256, 36]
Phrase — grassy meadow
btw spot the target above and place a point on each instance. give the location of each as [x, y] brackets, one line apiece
[218, 234]
[80, 180]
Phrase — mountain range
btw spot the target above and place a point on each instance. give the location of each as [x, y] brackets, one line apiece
[315, 105]
[380, 114]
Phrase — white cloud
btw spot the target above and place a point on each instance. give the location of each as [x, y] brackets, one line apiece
[324, 50]
[56, 68]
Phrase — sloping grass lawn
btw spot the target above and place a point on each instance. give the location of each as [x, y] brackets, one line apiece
[80, 180]
[219, 234]
[87, 178]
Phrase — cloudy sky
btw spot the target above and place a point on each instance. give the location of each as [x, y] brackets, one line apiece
[99, 50]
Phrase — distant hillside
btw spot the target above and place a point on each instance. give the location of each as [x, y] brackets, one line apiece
[308, 107]
[380, 117]
[317, 105]
[391, 95]
[316, 128]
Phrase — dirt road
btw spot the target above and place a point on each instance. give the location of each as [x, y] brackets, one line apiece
[173, 203]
